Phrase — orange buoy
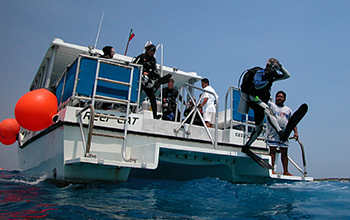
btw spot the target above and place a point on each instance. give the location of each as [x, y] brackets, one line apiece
[35, 109]
[9, 128]
[8, 141]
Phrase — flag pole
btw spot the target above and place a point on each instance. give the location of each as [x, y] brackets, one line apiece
[131, 35]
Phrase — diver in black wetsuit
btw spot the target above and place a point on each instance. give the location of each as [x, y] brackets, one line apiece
[149, 75]
[258, 99]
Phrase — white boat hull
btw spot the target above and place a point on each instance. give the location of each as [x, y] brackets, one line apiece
[59, 154]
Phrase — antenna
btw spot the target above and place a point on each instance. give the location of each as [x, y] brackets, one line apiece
[98, 33]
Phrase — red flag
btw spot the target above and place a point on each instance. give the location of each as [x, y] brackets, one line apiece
[131, 36]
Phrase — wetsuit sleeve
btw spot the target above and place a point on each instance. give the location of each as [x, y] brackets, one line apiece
[285, 74]
[137, 60]
[164, 93]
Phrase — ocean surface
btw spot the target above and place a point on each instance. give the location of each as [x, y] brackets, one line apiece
[24, 198]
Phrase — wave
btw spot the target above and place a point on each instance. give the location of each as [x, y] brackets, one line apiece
[18, 177]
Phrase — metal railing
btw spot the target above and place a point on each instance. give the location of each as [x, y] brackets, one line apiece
[187, 87]
[231, 109]
[304, 172]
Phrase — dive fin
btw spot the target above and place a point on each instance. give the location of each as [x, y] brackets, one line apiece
[256, 158]
[294, 120]
[162, 80]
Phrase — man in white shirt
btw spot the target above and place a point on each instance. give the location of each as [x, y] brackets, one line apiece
[209, 103]
[283, 114]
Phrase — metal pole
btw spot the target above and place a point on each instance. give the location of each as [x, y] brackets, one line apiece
[99, 28]
[50, 67]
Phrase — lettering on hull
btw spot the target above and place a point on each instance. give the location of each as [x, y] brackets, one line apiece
[132, 120]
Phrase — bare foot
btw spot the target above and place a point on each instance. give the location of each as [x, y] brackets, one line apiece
[287, 174]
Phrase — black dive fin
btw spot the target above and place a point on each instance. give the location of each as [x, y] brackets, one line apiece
[256, 158]
[294, 120]
[162, 80]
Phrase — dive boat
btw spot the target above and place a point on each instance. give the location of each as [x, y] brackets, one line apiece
[86, 143]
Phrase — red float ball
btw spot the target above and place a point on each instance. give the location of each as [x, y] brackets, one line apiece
[8, 141]
[35, 109]
[9, 128]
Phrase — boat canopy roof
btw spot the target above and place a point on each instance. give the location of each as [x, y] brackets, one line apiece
[60, 55]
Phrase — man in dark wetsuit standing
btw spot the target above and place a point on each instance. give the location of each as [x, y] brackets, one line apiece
[150, 75]
[260, 96]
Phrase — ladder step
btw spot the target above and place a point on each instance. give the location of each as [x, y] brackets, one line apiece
[111, 99]
[108, 135]
[110, 116]
[113, 81]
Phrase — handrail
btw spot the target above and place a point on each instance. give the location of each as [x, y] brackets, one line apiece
[302, 156]
[126, 123]
[90, 127]
[303, 172]
[161, 64]
[231, 106]
[195, 111]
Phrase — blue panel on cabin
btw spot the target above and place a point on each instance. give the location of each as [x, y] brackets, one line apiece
[120, 74]
[68, 80]
[236, 115]
[135, 84]
[86, 77]
[59, 91]
[114, 72]
[111, 89]
[86, 80]
[108, 71]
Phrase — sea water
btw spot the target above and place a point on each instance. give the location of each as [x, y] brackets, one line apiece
[24, 198]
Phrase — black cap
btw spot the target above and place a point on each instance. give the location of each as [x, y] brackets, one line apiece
[151, 47]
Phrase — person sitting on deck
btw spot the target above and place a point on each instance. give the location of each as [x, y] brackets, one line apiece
[189, 107]
[169, 101]
[108, 52]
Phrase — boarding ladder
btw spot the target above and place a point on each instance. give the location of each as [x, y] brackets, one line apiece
[100, 98]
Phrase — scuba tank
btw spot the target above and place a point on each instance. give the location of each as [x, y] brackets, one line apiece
[145, 104]
[159, 106]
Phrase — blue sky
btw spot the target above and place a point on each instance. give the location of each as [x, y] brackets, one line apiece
[216, 39]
